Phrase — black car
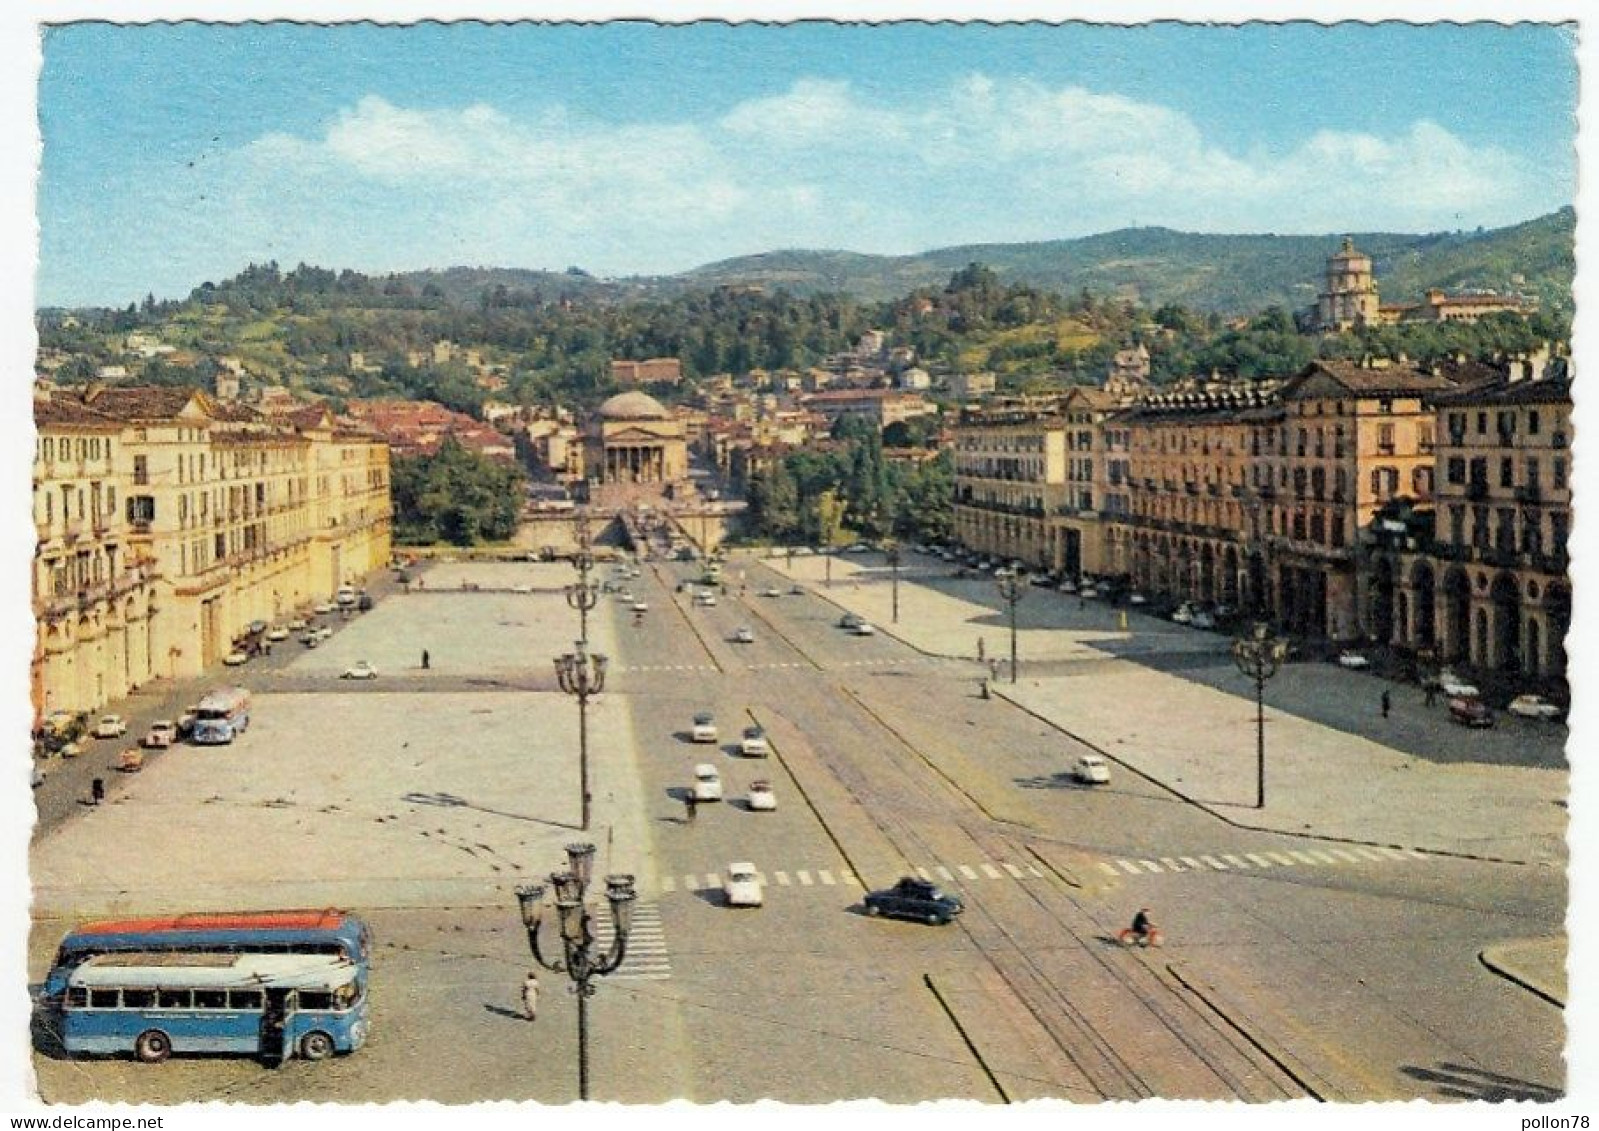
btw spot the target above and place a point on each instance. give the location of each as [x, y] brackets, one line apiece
[914, 899]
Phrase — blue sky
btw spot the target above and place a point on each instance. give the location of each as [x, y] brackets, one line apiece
[176, 154]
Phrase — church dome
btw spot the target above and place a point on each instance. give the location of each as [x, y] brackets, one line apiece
[633, 405]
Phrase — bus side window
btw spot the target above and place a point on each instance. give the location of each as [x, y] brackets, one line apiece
[77, 997]
[210, 999]
[174, 999]
[104, 999]
[245, 999]
[316, 999]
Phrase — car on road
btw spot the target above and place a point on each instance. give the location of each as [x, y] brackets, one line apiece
[162, 734]
[111, 726]
[1136, 598]
[704, 729]
[741, 887]
[186, 721]
[1091, 769]
[850, 620]
[297, 624]
[1067, 586]
[278, 632]
[1353, 660]
[641, 606]
[912, 898]
[796, 590]
[1182, 614]
[863, 629]
[761, 797]
[754, 744]
[236, 657]
[1535, 707]
[771, 591]
[360, 670]
[705, 598]
[1088, 592]
[322, 608]
[1470, 711]
[707, 783]
[1201, 619]
[744, 635]
[1454, 687]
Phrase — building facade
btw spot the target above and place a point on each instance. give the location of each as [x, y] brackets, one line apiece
[210, 517]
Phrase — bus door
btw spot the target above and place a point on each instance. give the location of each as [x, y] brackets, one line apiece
[275, 1025]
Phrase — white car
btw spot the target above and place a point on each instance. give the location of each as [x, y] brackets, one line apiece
[234, 658]
[1353, 660]
[707, 783]
[1454, 687]
[297, 624]
[704, 729]
[161, 735]
[1067, 586]
[360, 670]
[771, 591]
[705, 599]
[744, 635]
[278, 633]
[742, 886]
[322, 607]
[1182, 614]
[1137, 599]
[1202, 619]
[111, 726]
[761, 797]
[1091, 769]
[754, 744]
[864, 629]
[1088, 591]
[850, 620]
[1535, 707]
[641, 606]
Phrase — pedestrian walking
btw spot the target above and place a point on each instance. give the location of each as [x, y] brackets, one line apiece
[530, 995]
[1432, 693]
[97, 790]
[982, 651]
[1387, 702]
[691, 806]
[426, 659]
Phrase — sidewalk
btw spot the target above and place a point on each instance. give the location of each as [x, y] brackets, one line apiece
[1199, 742]
[1538, 965]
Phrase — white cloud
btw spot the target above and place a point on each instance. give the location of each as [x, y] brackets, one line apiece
[821, 164]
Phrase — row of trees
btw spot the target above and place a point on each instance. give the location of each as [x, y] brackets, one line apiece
[848, 490]
[456, 496]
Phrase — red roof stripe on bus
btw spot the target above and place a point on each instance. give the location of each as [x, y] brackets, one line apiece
[327, 919]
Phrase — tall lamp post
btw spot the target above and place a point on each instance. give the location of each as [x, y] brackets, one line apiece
[582, 674]
[892, 553]
[1012, 587]
[578, 959]
[584, 594]
[1258, 657]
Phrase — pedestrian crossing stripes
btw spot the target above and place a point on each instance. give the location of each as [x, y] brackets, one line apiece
[1120, 867]
[647, 959]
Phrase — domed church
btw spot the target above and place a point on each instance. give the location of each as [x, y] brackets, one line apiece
[633, 441]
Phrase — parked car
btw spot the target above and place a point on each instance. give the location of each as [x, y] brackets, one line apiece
[297, 624]
[1182, 614]
[1202, 619]
[360, 670]
[322, 608]
[912, 898]
[754, 744]
[796, 590]
[744, 635]
[1535, 707]
[705, 598]
[771, 591]
[1455, 687]
[162, 734]
[111, 726]
[364, 602]
[59, 722]
[641, 606]
[850, 620]
[742, 886]
[1091, 769]
[704, 729]
[1088, 592]
[1470, 711]
[864, 629]
[1355, 661]
[236, 657]
[277, 632]
[707, 783]
[1136, 598]
[761, 797]
[186, 721]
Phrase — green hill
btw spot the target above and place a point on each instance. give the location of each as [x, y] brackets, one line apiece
[1231, 274]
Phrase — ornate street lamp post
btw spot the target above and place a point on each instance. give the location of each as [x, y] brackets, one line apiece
[578, 959]
[1012, 587]
[582, 675]
[584, 594]
[892, 553]
[1258, 657]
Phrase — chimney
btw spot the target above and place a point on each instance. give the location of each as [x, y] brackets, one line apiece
[1537, 363]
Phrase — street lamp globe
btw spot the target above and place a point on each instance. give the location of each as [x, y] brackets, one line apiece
[530, 899]
[581, 859]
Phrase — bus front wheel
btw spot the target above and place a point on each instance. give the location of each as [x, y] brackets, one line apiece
[316, 1046]
[153, 1046]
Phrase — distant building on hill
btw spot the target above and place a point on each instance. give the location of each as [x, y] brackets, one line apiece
[654, 371]
[1349, 299]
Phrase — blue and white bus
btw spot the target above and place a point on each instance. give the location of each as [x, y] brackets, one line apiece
[300, 931]
[221, 716]
[275, 1006]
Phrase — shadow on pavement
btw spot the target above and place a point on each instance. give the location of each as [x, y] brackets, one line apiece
[1463, 1082]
